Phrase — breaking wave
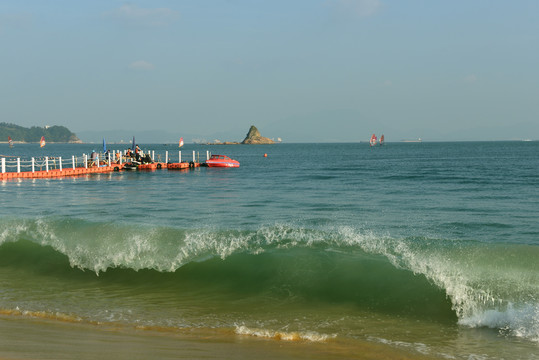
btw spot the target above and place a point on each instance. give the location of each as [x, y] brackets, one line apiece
[476, 284]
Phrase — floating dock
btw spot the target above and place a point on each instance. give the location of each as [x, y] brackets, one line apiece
[56, 172]
[76, 166]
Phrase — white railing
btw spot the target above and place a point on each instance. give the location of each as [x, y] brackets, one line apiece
[18, 164]
[39, 164]
[195, 158]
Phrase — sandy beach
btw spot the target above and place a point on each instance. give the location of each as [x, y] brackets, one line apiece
[34, 338]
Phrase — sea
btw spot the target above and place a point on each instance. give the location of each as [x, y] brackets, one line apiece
[425, 250]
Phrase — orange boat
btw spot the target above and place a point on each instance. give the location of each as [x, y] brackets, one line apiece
[221, 161]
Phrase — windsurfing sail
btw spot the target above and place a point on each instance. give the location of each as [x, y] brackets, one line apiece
[373, 140]
[42, 141]
[181, 142]
[382, 140]
[104, 146]
[133, 145]
[10, 141]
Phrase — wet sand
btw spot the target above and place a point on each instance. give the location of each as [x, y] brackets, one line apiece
[36, 338]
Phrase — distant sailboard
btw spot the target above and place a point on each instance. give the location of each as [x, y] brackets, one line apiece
[180, 144]
[373, 140]
[42, 141]
[382, 140]
[10, 141]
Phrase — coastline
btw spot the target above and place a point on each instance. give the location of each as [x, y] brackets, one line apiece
[24, 337]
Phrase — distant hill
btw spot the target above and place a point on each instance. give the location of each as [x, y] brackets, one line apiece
[55, 134]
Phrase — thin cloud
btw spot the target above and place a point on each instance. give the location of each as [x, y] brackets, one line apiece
[360, 8]
[133, 13]
[141, 65]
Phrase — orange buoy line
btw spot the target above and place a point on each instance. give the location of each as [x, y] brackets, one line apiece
[182, 165]
[91, 170]
[151, 166]
[59, 173]
[169, 166]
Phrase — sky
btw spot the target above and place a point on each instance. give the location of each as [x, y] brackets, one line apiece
[301, 70]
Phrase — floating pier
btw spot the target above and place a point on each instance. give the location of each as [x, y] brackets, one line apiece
[51, 167]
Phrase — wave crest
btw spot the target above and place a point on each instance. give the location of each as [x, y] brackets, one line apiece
[487, 284]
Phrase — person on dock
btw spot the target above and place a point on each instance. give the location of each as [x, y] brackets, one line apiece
[147, 159]
[93, 158]
[137, 153]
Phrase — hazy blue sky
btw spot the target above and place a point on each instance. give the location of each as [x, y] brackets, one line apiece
[302, 70]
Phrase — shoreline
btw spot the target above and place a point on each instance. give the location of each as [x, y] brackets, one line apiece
[28, 337]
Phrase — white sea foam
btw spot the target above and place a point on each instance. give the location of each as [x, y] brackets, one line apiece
[521, 321]
[417, 346]
[483, 293]
[11, 230]
[312, 336]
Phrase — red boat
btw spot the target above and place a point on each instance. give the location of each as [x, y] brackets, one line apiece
[222, 161]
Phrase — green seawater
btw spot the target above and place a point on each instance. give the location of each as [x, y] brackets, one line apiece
[427, 247]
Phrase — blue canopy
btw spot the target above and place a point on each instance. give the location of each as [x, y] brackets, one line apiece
[104, 146]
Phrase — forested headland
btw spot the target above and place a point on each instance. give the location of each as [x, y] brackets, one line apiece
[55, 134]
